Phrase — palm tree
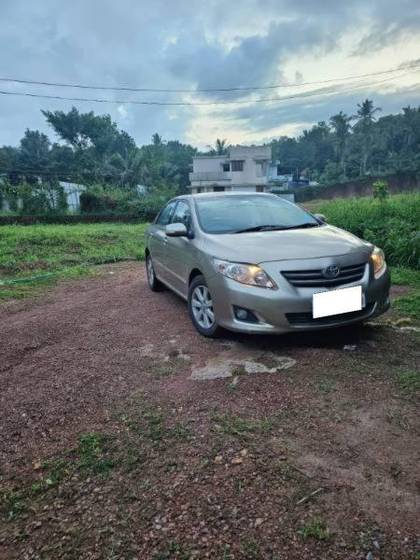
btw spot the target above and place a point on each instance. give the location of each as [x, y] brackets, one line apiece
[340, 124]
[365, 117]
[221, 147]
[366, 111]
[157, 139]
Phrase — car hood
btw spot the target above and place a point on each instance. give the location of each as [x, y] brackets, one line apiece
[266, 246]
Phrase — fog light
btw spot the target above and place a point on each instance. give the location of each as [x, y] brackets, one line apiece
[244, 315]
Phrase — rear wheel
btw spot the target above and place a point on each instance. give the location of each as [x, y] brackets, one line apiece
[200, 306]
[153, 282]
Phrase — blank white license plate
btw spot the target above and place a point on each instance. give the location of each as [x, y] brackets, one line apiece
[335, 302]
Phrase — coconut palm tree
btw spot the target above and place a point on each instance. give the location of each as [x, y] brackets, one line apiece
[221, 147]
[365, 117]
[340, 124]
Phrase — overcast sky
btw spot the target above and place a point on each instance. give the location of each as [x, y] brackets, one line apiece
[182, 44]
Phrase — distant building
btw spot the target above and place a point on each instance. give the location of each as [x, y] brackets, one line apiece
[243, 168]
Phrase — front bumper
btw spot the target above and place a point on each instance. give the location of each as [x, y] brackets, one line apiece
[289, 308]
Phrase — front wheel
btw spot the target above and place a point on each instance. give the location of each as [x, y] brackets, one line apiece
[200, 306]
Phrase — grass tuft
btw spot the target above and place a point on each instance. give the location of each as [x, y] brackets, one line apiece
[409, 381]
[92, 452]
[238, 426]
[173, 550]
[13, 504]
[316, 529]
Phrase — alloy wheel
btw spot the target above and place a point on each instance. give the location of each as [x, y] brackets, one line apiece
[202, 307]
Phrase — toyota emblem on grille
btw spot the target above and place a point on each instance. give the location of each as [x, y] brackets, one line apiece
[331, 271]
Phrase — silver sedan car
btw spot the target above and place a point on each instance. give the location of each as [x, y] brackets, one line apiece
[257, 263]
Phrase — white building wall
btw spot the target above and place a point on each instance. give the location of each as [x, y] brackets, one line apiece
[72, 192]
[208, 163]
[256, 161]
[4, 205]
[208, 171]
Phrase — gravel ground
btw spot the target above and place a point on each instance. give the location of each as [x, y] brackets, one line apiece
[113, 446]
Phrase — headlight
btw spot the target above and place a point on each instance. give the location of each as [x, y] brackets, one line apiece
[250, 274]
[378, 259]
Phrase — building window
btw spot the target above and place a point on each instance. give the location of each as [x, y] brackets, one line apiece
[218, 189]
[226, 167]
[259, 188]
[237, 165]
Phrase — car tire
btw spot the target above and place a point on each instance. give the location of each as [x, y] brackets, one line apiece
[154, 284]
[203, 317]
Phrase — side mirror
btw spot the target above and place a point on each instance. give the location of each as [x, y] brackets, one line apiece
[320, 217]
[176, 230]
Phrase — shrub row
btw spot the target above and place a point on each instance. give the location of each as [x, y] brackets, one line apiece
[146, 215]
[393, 224]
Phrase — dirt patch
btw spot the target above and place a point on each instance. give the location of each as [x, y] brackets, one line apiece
[110, 448]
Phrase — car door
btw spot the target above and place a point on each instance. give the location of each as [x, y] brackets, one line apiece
[158, 240]
[180, 250]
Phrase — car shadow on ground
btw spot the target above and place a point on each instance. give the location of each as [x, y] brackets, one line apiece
[327, 338]
[332, 338]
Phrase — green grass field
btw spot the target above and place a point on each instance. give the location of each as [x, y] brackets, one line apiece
[408, 304]
[32, 257]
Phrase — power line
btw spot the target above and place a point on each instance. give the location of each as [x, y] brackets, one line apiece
[408, 65]
[319, 92]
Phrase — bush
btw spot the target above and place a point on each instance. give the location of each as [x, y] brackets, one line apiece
[392, 224]
[98, 204]
[38, 198]
[145, 216]
[106, 200]
[380, 190]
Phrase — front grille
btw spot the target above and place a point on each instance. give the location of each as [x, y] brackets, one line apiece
[306, 319]
[316, 279]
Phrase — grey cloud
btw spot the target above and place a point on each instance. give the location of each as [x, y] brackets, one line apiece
[254, 60]
[381, 37]
[175, 44]
[322, 109]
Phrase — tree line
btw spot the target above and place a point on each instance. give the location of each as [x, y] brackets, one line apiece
[354, 146]
[92, 150]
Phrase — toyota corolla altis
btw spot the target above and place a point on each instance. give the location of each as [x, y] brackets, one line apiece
[257, 263]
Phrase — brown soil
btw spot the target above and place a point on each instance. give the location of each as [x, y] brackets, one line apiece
[223, 469]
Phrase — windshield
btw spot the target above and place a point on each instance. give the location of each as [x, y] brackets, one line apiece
[242, 213]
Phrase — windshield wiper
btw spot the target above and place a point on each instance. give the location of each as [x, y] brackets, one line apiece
[269, 227]
[302, 226]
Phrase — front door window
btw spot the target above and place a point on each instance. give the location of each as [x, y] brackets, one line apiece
[165, 215]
